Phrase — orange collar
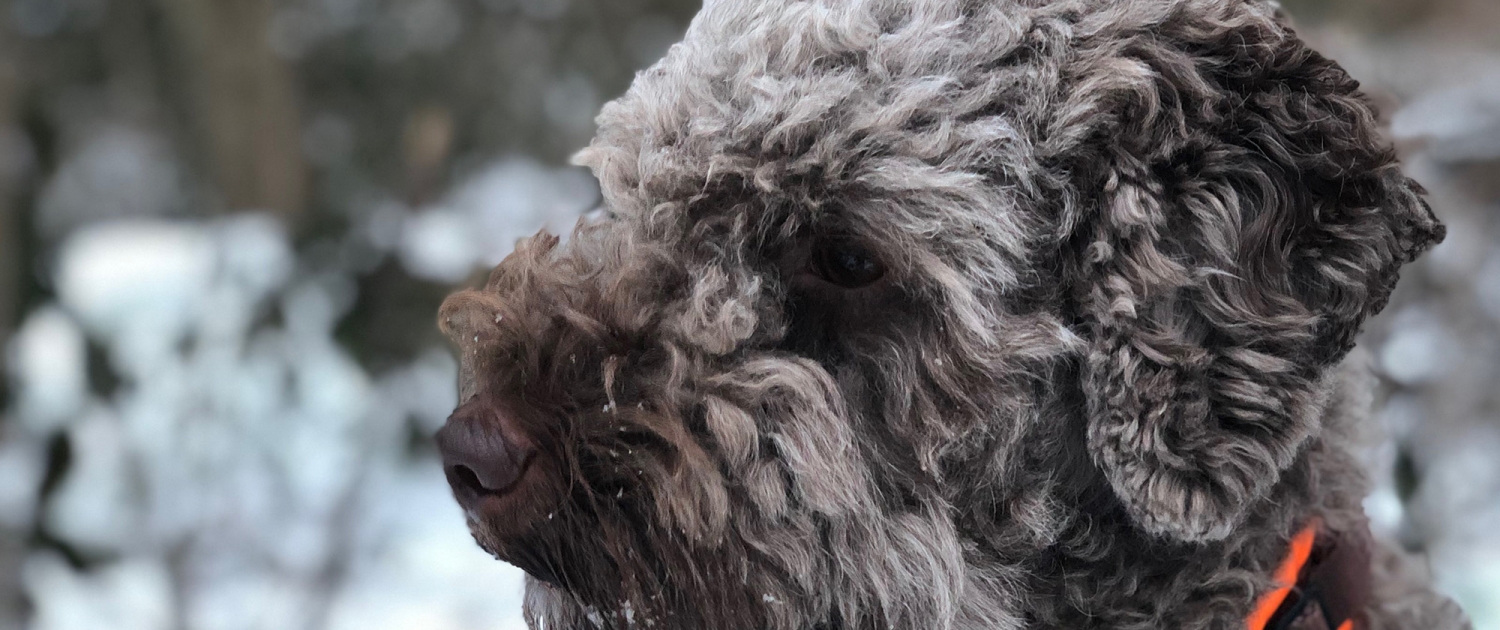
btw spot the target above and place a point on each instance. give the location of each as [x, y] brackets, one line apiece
[1337, 580]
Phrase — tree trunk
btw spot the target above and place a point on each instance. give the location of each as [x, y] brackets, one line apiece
[242, 101]
[10, 261]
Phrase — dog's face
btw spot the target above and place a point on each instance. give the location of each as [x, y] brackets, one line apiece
[886, 296]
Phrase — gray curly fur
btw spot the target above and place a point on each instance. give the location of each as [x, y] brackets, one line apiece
[1129, 243]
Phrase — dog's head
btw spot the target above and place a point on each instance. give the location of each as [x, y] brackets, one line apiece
[882, 291]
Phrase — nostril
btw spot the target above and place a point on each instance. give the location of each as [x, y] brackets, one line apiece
[464, 476]
[491, 477]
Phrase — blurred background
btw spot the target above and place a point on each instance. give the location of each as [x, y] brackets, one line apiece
[226, 225]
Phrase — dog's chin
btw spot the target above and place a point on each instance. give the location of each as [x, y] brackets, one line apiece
[531, 557]
[544, 552]
[557, 551]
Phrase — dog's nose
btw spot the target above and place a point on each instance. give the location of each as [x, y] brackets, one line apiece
[484, 452]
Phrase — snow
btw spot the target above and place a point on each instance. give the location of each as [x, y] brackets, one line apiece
[47, 360]
[243, 473]
[133, 594]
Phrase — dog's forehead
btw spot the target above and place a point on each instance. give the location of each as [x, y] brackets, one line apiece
[920, 109]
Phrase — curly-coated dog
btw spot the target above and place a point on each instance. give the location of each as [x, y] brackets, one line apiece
[951, 314]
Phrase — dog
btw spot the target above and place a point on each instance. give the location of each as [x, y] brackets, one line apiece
[951, 314]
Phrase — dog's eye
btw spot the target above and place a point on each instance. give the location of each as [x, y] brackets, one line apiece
[845, 265]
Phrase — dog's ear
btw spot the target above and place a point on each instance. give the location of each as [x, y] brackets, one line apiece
[1239, 220]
